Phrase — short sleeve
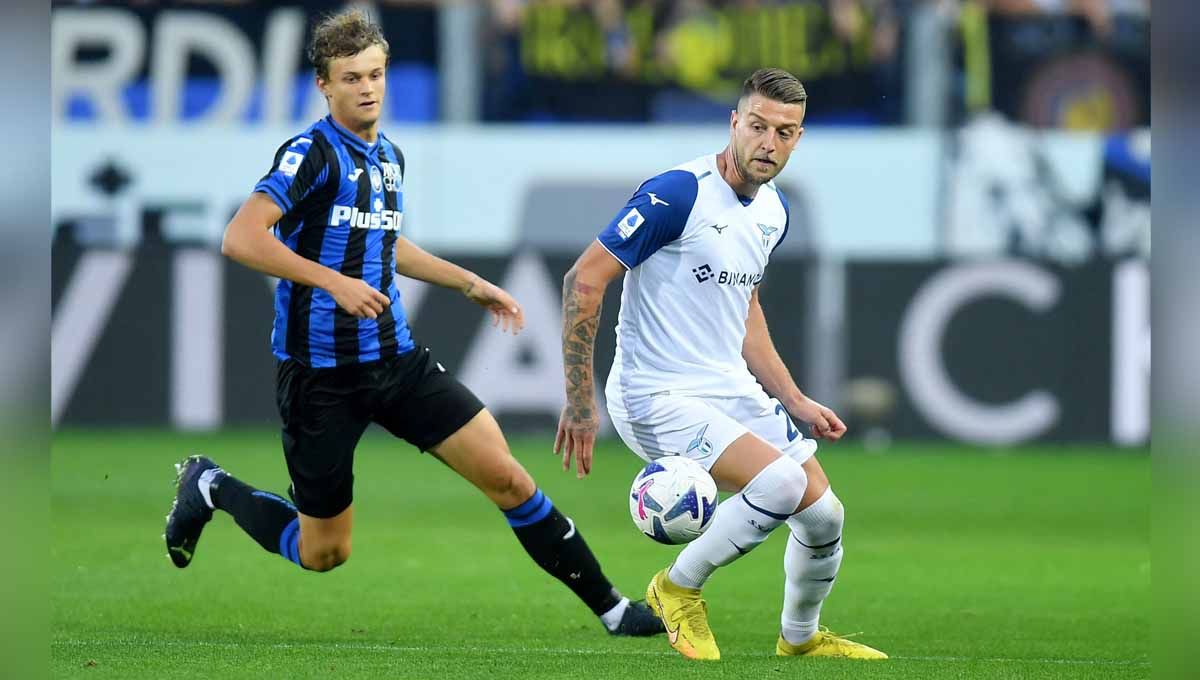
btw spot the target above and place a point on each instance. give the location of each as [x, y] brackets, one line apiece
[299, 167]
[787, 219]
[652, 218]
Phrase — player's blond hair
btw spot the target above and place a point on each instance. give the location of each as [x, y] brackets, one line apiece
[775, 84]
[344, 34]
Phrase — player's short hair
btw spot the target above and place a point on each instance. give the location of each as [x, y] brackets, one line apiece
[344, 34]
[775, 84]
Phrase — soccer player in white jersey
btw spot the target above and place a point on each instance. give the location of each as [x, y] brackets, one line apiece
[696, 374]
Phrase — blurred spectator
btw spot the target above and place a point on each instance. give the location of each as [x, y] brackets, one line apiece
[1079, 64]
[1098, 13]
[684, 60]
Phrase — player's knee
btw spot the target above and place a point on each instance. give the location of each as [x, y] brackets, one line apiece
[327, 557]
[510, 485]
[825, 521]
[779, 486]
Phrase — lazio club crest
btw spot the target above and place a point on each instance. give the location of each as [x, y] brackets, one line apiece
[768, 235]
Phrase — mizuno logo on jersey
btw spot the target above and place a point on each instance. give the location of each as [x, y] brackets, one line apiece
[381, 219]
[655, 200]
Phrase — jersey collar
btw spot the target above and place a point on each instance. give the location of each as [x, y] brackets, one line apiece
[351, 138]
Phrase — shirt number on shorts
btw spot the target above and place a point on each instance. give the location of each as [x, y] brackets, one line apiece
[792, 432]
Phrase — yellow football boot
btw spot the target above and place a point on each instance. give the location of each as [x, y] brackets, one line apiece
[825, 643]
[685, 616]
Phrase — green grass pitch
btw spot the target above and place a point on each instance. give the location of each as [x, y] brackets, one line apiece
[960, 563]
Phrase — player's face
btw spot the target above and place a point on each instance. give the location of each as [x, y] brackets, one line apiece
[763, 134]
[356, 86]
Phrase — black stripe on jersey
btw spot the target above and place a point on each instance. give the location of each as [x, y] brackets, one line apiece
[309, 171]
[387, 322]
[311, 217]
[345, 325]
[299, 309]
[316, 208]
[399, 157]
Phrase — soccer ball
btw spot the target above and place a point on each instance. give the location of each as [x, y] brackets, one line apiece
[673, 500]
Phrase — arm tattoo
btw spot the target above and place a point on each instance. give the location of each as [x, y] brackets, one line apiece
[579, 339]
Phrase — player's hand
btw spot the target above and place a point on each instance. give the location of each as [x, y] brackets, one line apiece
[358, 297]
[506, 313]
[823, 422]
[577, 427]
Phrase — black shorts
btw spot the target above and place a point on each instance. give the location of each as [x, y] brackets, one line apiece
[326, 410]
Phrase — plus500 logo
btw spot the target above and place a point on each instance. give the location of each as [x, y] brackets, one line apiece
[382, 219]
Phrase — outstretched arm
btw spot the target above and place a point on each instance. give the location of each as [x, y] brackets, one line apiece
[583, 294]
[764, 362]
[416, 263]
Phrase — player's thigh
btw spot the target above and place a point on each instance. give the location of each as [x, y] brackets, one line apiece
[479, 454]
[767, 418]
[700, 429]
[741, 462]
[322, 422]
[426, 406]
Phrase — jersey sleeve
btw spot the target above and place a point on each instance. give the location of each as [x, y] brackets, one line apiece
[299, 168]
[652, 218]
[787, 220]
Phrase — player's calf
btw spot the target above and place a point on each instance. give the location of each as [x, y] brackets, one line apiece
[811, 562]
[272, 521]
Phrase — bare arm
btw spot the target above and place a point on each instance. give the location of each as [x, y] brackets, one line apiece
[765, 364]
[416, 263]
[583, 294]
[248, 241]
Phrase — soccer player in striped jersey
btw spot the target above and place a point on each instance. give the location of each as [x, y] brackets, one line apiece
[696, 374]
[326, 220]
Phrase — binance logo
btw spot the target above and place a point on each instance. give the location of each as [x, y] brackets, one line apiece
[703, 273]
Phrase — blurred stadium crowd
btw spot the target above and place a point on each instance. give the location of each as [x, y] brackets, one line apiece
[1079, 64]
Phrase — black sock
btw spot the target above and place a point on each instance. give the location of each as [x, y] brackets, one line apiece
[553, 542]
[269, 519]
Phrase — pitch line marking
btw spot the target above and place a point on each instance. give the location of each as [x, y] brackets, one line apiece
[547, 650]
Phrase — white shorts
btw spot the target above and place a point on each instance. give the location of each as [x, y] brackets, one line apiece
[701, 428]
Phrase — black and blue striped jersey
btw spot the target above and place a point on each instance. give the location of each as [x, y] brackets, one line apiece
[343, 203]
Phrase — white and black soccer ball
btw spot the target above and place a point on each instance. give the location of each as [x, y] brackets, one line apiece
[673, 500]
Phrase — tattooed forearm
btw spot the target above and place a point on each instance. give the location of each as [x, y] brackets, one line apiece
[581, 318]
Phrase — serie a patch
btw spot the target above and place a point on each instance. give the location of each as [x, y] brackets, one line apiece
[630, 223]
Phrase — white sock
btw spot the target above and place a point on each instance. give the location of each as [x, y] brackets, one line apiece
[811, 562]
[612, 617]
[742, 522]
[205, 483]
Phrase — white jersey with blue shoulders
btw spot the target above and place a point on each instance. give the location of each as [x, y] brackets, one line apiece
[694, 251]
